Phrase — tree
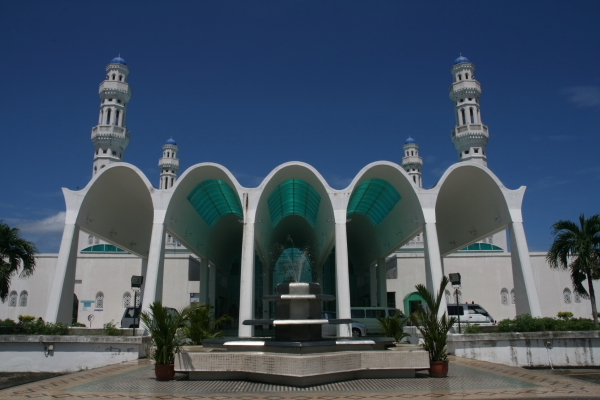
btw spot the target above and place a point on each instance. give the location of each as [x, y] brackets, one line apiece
[15, 252]
[577, 248]
[200, 325]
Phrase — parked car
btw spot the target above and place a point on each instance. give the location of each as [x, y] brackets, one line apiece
[358, 329]
[471, 313]
[131, 318]
[368, 316]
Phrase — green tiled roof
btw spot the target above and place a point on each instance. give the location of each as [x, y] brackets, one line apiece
[297, 197]
[214, 198]
[374, 198]
[103, 248]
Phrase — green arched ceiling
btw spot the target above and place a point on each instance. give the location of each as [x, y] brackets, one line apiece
[374, 198]
[214, 198]
[294, 197]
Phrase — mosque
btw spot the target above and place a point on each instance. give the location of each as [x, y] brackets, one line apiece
[202, 237]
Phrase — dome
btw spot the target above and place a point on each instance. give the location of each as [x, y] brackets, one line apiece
[410, 140]
[171, 141]
[118, 60]
[461, 60]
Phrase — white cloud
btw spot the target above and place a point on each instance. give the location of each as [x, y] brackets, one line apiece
[584, 96]
[52, 224]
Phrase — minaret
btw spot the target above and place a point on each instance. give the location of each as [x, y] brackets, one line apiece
[169, 164]
[412, 162]
[110, 136]
[470, 136]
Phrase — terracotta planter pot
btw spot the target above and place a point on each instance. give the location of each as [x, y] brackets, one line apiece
[164, 372]
[438, 369]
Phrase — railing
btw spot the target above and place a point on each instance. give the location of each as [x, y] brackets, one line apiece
[469, 128]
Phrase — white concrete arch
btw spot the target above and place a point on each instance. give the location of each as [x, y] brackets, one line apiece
[369, 245]
[471, 203]
[117, 205]
[217, 244]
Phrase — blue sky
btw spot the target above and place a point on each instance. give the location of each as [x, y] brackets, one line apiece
[337, 84]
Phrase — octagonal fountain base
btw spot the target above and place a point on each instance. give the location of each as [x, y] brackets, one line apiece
[300, 370]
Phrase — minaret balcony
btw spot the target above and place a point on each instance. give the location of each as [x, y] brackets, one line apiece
[470, 129]
[412, 160]
[110, 136]
[113, 87]
[463, 89]
[167, 162]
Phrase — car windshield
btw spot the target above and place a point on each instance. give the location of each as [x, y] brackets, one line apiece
[478, 310]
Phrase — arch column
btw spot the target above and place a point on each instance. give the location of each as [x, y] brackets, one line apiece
[247, 279]
[154, 267]
[433, 261]
[526, 296]
[60, 301]
[342, 279]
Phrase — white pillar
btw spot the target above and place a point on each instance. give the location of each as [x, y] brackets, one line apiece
[433, 263]
[526, 297]
[153, 281]
[342, 281]
[60, 302]
[381, 283]
[247, 281]
[373, 284]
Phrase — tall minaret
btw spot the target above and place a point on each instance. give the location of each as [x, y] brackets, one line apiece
[412, 162]
[110, 136]
[169, 164]
[470, 136]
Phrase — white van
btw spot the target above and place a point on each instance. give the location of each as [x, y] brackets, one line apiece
[471, 313]
[368, 316]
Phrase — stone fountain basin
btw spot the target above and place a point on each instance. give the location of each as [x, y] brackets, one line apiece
[280, 322]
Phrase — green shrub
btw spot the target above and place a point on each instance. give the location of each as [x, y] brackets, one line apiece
[78, 325]
[39, 327]
[111, 329]
[527, 323]
[472, 329]
[394, 326]
[565, 315]
[26, 318]
[200, 325]
[8, 323]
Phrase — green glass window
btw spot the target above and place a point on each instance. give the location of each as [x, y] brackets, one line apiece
[214, 198]
[103, 248]
[482, 247]
[294, 196]
[374, 198]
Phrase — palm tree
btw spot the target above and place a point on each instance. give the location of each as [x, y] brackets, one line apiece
[200, 325]
[577, 248]
[15, 252]
[165, 326]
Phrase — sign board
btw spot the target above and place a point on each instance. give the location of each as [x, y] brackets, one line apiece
[195, 300]
[87, 304]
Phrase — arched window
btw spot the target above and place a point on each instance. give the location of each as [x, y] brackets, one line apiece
[23, 299]
[459, 77]
[96, 240]
[127, 300]
[504, 296]
[118, 112]
[12, 299]
[512, 296]
[577, 297]
[462, 113]
[113, 76]
[472, 116]
[171, 182]
[567, 296]
[459, 297]
[101, 114]
[447, 292]
[99, 300]
[120, 78]
[108, 117]
[90, 239]
[138, 300]
[466, 76]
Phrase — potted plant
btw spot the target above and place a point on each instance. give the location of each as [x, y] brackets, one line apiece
[434, 329]
[200, 324]
[393, 326]
[164, 325]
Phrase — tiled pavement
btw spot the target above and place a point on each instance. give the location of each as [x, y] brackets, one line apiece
[468, 379]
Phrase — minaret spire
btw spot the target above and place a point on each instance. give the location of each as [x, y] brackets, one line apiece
[110, 136]
[169, 164]
[470, 136]
[412, 162]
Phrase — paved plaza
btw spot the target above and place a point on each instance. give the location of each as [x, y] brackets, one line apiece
[468, 379]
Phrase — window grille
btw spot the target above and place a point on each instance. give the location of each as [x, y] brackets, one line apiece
[504, 296]
[12, 299]
[567, 296]
[137, 300]
[90, 239]
[99, 300]
[127, 300]
[577, 297]
[448, 297]
[23, 299]
[512, 296]
[459, 297]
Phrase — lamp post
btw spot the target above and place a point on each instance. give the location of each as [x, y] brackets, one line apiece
[455, 281]
[136, 285]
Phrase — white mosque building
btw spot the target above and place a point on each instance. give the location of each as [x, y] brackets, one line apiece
[202, 237]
